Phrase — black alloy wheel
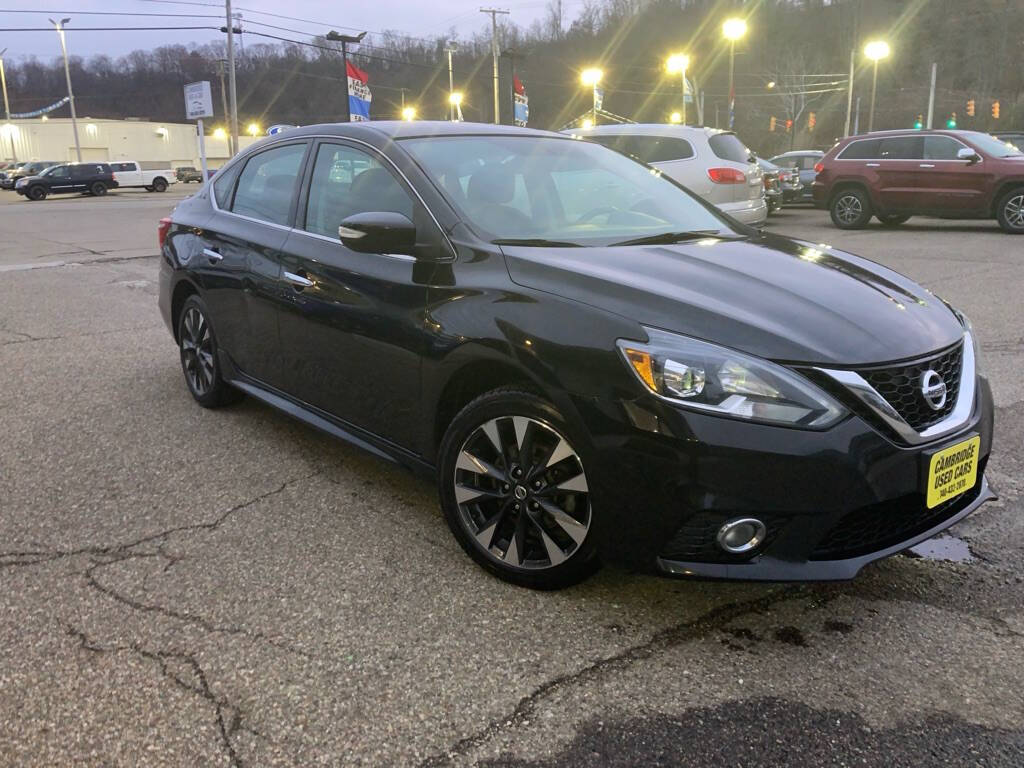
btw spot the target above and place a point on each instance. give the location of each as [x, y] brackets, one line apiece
[159, 185]
[850, 209]
[198, 346]
[892, 219]
[515, 493]
[98, 188]
[36, 193]
[1010, 211]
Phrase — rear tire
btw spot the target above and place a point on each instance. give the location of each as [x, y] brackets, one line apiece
[850, 208]
[98, 188]
[892, 219]
[159, 185]
[1010, 211]
[197, 345]
[530, 520]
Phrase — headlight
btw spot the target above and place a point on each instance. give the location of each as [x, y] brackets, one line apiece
[969, 327]
[706, 377]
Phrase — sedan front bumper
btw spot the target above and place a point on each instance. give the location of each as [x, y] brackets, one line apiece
[832, 501]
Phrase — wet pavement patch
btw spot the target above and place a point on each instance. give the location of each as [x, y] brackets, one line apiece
[773, 732]
[951, 548]
[842, 627]
[790, 636]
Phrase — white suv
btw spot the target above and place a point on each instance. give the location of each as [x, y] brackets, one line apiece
[710, 163]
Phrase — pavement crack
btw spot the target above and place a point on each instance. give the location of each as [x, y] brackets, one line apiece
[666, 638]
[228, 717]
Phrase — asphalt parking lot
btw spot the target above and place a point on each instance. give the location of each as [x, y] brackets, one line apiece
[192, 587]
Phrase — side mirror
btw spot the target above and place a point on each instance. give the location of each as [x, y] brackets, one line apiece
[379, 232]
[969, 155]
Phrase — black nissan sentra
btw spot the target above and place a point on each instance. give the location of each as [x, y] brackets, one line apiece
[593, 363]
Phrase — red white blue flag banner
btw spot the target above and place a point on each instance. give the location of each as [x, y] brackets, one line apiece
[359, 95]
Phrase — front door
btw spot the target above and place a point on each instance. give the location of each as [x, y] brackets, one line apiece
[352, 332]
[60, 179]
[954, 185]
[240, 262]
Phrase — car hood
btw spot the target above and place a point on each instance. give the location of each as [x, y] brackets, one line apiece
[769, 296]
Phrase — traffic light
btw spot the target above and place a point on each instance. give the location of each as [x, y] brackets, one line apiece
[951, 123]
[771, 124]
[789, 125]
[970, 107]
[811, 120]
[919, 123]
[995, 109]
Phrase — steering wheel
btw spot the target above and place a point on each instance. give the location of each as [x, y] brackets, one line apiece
[595, 212]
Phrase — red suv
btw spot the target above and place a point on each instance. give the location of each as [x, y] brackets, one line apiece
[894, 175]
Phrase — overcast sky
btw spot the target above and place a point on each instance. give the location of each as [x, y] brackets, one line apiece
[413, 17]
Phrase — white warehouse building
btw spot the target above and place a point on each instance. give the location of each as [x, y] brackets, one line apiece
[152, 144]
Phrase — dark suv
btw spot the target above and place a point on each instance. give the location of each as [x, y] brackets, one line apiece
[94, 178]
[894, 175]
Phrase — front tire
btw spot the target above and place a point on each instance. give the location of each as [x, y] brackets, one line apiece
[36, 193]
[850, 209]
[1010, 211]
[514, 491]
[197, 344]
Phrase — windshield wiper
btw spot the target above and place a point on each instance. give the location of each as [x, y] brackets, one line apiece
[667, 238]
[539, 242]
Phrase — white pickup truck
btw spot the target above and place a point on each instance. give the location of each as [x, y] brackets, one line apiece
[128, 173]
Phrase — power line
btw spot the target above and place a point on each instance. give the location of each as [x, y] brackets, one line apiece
[118, 13]
[102, 29]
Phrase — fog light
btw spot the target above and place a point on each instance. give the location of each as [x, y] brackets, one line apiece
[741, 535]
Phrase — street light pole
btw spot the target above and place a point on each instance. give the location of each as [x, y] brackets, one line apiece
[7, 106]
[733, 29]
[678, 62]
[67, 74]
[337, 37]
[592, 76]
[494, 55]
[874, 88]
[875, 50]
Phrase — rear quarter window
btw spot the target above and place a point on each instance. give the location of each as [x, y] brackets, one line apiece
[728, 147]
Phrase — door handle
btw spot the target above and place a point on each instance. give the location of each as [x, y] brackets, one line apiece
[873, 165]
[212, 255]
[298, 281]
[927, 165]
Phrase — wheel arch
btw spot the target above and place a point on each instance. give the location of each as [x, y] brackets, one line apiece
[1001, 190]
[845, 184]
[182, 291]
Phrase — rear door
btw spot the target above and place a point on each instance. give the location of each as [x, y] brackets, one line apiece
[901, 179]
[240, 264]
[352, 330]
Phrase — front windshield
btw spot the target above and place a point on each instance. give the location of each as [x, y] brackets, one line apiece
[990, 145]
[547, 190]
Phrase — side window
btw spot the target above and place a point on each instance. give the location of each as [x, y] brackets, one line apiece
[60, 172]
[671, 149]
[865, 149]
[224, 185]
[347, 181]
[268, 182]
[941, 148]
[901, 148]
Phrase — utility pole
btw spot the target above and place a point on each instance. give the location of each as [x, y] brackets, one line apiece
[231, 76]
[67, 74]
[931, 96]
[849, 92]
[494, 55]
[337, 37]
[7, 106]
[450, 48]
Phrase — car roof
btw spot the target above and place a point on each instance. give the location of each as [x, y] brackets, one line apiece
[646, 129]
[405, 129]
[800, 152]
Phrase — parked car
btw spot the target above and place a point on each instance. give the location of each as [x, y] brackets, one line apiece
[594, 363]
[714, 164]
[787, 179]
[93, 178]
[1012, 137]
[894, 175]
[30, 168]
[187, 173]
[129, 173]
[804, 161]
[772, 185]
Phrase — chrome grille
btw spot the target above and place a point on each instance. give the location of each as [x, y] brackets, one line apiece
[900, 386]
